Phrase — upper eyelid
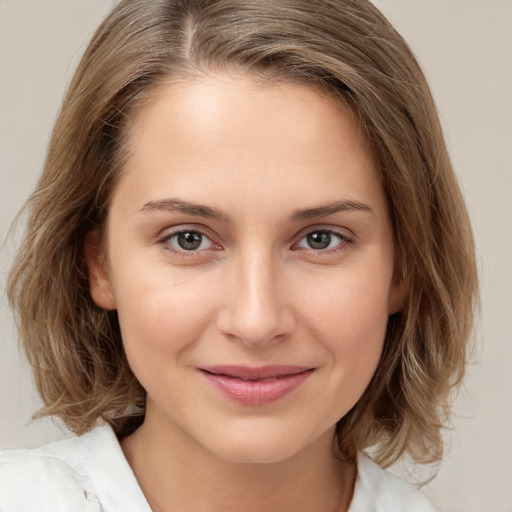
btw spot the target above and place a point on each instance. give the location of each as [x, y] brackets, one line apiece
[165, 237]
[341, 237]
[343, 232]
[168, 233]
[164, 240]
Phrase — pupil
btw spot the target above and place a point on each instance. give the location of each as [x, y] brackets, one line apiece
[319, 240]
[189, 241]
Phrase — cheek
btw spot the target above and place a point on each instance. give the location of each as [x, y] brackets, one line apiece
[349, 304]
[349, 318]
[161, 314]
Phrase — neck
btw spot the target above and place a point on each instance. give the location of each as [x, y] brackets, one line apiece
[175, 473]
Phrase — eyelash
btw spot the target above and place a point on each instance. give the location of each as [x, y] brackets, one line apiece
[165, 241]
[343, 240]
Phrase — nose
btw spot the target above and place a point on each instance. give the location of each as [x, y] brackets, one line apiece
[256, 309]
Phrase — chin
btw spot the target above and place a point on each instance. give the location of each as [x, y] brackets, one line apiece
[259, 447]
[252, 453]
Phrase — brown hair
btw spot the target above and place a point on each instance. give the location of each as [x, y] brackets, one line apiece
[345, 47]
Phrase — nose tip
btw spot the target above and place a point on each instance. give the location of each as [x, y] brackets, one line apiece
[257, 328]
[256, 311]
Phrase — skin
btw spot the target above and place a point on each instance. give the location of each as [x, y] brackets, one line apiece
[254, 293]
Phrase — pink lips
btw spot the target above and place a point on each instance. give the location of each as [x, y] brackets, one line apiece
[256, 386]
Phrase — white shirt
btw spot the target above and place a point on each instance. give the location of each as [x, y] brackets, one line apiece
[91, 474]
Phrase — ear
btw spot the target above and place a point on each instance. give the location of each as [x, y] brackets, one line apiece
[100, 285]
[397, 291]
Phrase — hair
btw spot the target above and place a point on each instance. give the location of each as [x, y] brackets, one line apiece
[344, 47]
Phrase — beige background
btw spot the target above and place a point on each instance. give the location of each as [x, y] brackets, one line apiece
[465, 47]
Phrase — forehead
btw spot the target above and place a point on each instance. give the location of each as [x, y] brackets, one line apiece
[247, 98]
[229, 130]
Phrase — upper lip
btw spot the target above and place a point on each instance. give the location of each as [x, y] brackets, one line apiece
[255, 373]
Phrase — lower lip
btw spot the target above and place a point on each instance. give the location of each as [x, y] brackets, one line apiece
[258, 391]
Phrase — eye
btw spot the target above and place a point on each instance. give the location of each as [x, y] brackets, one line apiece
[188, 241]
[322, 239]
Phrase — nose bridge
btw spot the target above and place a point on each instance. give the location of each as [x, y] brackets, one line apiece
[257, 310]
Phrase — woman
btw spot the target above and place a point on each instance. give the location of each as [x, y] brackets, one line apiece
[249, 258]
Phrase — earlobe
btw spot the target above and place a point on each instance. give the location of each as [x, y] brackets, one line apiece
[100, 286]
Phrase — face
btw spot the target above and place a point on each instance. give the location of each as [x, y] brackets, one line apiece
[250, 259]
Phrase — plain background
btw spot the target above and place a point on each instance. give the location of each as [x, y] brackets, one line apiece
[465, 48]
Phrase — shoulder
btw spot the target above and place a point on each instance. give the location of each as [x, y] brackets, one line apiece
[378, 490]
[31, 481]
[81, 474]
[53, 477]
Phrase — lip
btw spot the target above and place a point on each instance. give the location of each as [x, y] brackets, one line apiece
[256, 385]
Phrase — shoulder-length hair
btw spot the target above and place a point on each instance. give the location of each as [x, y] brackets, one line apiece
[346, 48]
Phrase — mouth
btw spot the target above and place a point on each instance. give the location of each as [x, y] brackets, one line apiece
[256, 386]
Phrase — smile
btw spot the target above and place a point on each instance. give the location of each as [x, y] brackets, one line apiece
[256, 386]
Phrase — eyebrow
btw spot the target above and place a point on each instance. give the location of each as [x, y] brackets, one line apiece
[180, 206]
[187, 208]
[330, 209]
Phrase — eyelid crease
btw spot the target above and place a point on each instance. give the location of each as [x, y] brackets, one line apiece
[170, 234]
[344, 233]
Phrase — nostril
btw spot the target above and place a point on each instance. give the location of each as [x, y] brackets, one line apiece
[254, 331]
